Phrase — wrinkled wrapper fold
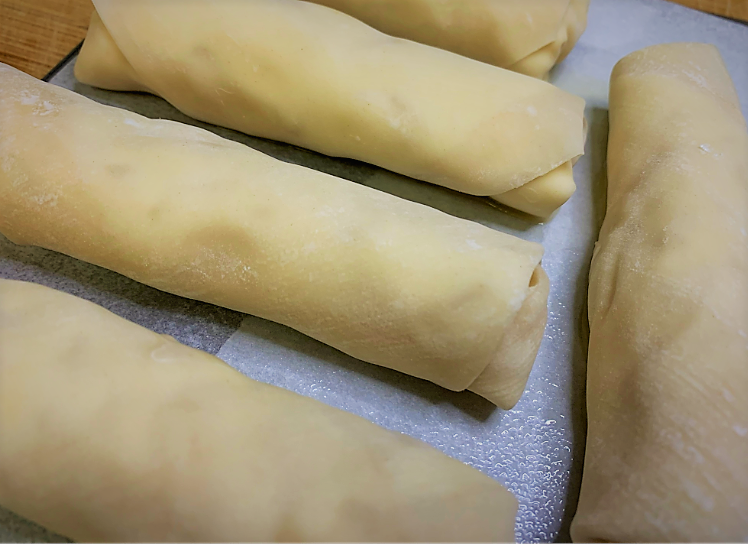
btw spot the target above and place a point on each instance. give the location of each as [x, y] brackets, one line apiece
[312, 76]
[667, 383]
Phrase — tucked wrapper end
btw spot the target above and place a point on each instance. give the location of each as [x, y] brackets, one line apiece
[503, 380]
[543, 195]
[104, 64]
[539, 63]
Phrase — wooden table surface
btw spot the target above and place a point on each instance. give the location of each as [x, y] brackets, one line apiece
[36, 34]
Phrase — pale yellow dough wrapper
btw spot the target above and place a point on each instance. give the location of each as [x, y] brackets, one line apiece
[667, 386]
[113, 433]
[315, 77]
[527, 36]
[178, 208]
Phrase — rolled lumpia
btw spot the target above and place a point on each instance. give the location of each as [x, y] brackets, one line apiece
[315, 77]
[178, 208]
[667, 386]
[113, 433]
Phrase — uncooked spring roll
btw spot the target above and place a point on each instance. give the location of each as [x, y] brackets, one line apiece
[113, 433]
[527, 36]
[667, 389]
[312, 76]
[180, 209]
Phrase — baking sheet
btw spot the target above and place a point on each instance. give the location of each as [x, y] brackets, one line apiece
[536, 449]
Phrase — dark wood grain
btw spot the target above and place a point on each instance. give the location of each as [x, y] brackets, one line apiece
[36, 34]
[736, 9]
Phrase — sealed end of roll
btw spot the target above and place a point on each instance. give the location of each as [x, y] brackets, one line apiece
[503, 380]
[539, 63]
[543, 195]
[576, 23]
[100, 62]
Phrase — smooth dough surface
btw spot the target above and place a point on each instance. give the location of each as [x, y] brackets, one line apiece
[312, 76]
[527, 36]
[113, 433]
[178, 208]
[667, 389]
